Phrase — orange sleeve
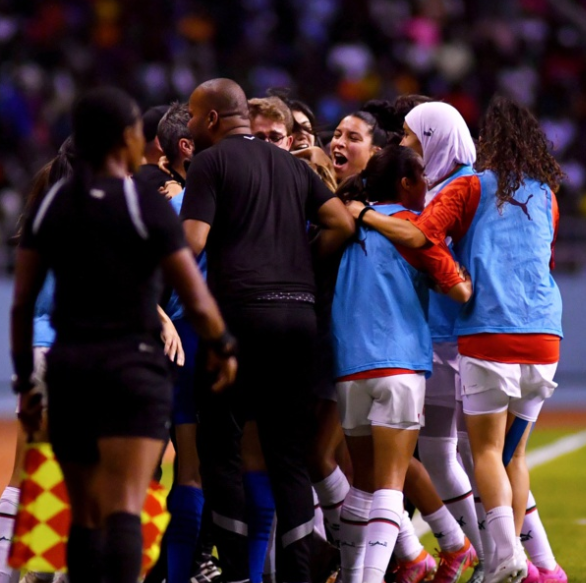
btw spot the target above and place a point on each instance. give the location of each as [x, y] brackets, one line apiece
[451, 212]
[435, 260]
[555, 212]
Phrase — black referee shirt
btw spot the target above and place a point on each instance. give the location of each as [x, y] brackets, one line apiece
[104, 247]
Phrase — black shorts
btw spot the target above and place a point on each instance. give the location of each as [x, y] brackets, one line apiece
[116, 388]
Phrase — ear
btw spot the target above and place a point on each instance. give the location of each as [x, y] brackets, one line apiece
[405, 183]
[185, 146]
[288, 142]
[213, 119]
[375, 149]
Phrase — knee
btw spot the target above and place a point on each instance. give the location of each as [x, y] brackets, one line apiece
[320, 465]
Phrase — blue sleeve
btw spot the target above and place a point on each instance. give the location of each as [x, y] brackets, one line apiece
[43, 333]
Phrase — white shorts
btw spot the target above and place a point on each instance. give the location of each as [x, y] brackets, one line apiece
[440, 388]
[39, 370]
[493, 387]
[393, 401]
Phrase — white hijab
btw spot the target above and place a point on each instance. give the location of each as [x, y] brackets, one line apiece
[444, 136]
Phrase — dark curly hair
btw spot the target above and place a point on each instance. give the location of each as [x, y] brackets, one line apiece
[380, 180]
[513, 145]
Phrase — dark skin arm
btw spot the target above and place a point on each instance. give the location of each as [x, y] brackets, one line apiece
[196, 233]
[337, 226]
[29, 277]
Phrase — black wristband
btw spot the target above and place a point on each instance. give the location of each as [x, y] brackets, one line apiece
[23, 365]
[362, 213]
[225, 346]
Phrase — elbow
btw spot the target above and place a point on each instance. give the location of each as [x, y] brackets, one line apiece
[196, 244]
[348, 227]
[461, 293]
[416, 240]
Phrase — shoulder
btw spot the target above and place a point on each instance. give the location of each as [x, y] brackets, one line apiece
[151, 174]
[150, 198]
[406, 214]
[464, 188]
[463, 182]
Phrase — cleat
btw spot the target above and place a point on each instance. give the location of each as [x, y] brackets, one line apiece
[207, 572]
[422, 568]
[453, 564]
[511, 570]
[533, 575]
[478, 574]
[558, 575]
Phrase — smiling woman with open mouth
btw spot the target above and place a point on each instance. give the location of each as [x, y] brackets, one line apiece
[357, 137]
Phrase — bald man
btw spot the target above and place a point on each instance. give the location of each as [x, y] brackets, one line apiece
[248, 203]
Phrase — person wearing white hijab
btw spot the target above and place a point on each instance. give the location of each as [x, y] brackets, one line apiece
[439, 133]
[444, 138]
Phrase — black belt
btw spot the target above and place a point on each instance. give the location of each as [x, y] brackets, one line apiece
[302, 297]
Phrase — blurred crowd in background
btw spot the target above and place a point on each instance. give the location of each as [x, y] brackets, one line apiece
[332, 54]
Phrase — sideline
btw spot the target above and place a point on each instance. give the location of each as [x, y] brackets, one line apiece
[535, 458]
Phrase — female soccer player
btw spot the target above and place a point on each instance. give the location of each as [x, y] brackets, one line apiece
[108, 381]
[383, 353]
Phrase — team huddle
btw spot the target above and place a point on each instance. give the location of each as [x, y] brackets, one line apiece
[331, 334]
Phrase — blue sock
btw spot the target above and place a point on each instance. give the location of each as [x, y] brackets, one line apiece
[185, 503]
[260, 513]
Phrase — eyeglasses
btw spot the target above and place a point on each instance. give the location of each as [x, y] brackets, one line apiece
[273, 137]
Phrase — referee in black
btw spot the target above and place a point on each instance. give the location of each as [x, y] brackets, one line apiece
[248, 203]
[107, 240]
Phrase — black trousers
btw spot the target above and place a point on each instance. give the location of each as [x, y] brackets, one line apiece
[273, 387]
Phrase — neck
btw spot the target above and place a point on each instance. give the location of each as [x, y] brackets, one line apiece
[152, 154]
[114, 166]
[240, 128]
[179, 168]
[446, 176]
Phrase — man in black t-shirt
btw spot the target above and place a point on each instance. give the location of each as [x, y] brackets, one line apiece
[248, 203]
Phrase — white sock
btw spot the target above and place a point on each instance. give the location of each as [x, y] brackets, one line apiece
[331, 493]
[501, 525]
[534, 537]
[318, 519]
[446, 530]
[468, 463]
[439, 456]
[408, 546]
[353, 523]
[383, 527]
[8, 508]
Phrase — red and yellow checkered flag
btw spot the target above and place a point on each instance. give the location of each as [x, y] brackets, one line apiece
[43, 518]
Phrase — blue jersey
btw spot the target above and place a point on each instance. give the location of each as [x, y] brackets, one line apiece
[174, 308]
[507, 253]
[379, 312]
